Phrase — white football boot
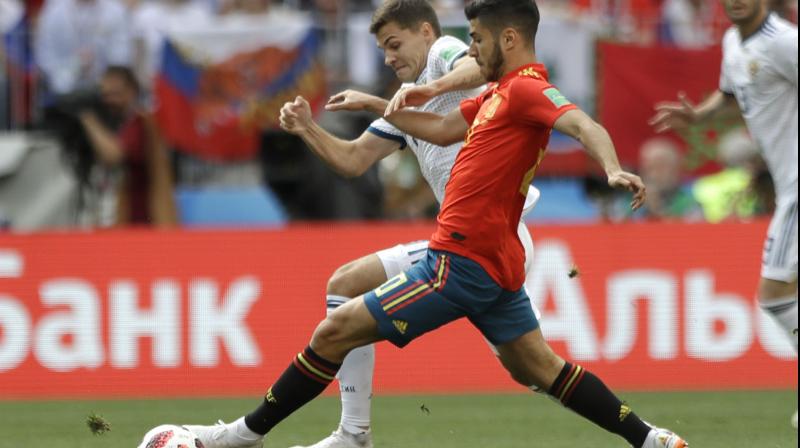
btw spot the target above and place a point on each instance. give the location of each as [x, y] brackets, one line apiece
[794, 420]
[343, 439]
[664, 438]
[224, 435]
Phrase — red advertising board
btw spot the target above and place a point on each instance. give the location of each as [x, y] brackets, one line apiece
[217, 313]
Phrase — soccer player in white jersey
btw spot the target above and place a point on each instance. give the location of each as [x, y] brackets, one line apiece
[759, 72]
[408, 31]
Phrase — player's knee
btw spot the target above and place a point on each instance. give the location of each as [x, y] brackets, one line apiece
[342, 282]
[330, 332]
[773, 289]
[523, 377]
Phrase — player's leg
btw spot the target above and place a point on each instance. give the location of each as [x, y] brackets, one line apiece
[310, 372]
[355, 376]
[777, 289]
[513, 327]
[527, 244]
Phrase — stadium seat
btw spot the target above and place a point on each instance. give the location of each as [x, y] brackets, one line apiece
[229, 207]
[562, 201]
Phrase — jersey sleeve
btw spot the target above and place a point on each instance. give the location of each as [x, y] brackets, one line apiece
[443, 54]
[784, 53]
[725, 84]
[537, 103]
[469, 109]
[386, 130]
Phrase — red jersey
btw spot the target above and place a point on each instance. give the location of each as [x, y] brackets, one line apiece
[511, 125]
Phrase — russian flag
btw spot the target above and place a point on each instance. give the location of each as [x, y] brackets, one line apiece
[216, 108]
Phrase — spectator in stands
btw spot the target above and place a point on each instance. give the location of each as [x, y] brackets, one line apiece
[688, 23]
[661, 168]
[11, 12]
[76, 40]
[733, 193]
[785, 8]
[153, 21]
[131, 146]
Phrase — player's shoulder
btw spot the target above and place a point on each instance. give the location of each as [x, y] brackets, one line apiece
[447, 47]
[528, 79]
[779, 33]
[731, 37]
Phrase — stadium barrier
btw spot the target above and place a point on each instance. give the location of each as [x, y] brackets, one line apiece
[219, 313]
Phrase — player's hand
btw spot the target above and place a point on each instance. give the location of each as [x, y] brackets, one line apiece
[632, 183]
[674, 115]
[353, 100]
[296, 116]
[410, 97]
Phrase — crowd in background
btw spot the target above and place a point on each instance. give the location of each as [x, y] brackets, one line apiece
[88, 71]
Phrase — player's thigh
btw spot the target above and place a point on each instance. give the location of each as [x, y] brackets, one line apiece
[420, 300]
[366, 273]
[530, 360]
[779, 262]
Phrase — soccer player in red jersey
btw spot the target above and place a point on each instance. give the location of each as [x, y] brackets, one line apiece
[474, 265]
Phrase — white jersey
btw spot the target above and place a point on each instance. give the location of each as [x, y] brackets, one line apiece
[761, 72]
[436, 162]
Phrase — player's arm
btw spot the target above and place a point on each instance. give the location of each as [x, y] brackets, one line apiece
[598, 144]
[350, 158]
[679, 115]
[441, 130]
[465, 75]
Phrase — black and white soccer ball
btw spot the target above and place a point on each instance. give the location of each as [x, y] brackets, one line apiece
[170, 436]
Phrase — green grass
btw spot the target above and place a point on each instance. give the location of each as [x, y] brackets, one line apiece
[706, 419]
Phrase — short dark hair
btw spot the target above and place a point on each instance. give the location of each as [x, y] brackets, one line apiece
[126, 74]
[408, 14]
[522, 15]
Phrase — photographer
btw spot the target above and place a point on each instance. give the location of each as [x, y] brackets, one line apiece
[129, 154]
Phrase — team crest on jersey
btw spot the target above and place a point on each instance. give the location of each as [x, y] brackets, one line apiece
[530, 72]
[753, 68]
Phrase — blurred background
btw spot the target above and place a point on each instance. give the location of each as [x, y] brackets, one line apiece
[207, 77]
[160, 236]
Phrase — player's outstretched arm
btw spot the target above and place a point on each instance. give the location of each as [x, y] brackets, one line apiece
[679, 115]
[465, 75]
[353, 100]
[350, 158]
[441, 130]
[598, 144]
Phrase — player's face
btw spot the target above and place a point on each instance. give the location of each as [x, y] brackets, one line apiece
[486, 51]
[405, 50]
[743, 11]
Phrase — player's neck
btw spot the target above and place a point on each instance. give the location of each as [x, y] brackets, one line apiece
[748, 29]
[515, 62]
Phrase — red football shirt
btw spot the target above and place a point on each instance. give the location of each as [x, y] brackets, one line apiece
[511, 125]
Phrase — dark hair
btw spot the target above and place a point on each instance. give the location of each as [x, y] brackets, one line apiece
[126, 75]
[522, 15]
[408, 14]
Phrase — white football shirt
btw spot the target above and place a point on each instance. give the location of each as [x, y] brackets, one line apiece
[436, 162]
[761, 72]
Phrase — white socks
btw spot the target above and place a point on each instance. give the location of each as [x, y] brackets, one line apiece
[784, 311]
[355, 382]
[243, 432]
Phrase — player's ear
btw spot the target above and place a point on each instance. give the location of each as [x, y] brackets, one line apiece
[508, 38]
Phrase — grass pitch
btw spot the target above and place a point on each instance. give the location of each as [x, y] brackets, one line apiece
[706, 419]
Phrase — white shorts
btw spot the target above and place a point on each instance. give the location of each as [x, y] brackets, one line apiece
[780, 248]
[401, 257]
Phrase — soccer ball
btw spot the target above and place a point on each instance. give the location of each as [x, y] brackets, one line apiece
[170, 436]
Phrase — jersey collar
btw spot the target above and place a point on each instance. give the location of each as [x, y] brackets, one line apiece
[537, 70]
